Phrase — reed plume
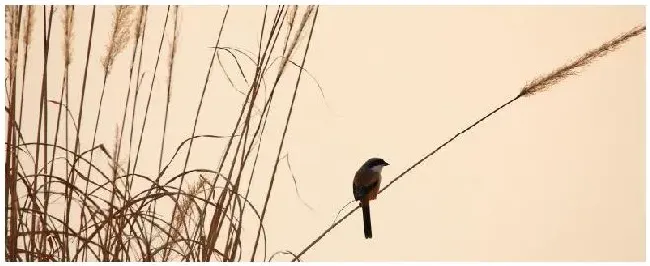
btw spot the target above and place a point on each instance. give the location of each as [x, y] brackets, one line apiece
[29, 25]
[120, 35]
[544, 82]
[179, 221]
[68, 24]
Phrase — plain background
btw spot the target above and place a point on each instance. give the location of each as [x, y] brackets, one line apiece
[558, 176]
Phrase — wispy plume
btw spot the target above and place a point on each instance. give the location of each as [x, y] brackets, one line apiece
[120, 35]
[29, 26]
[185, 206]
[544, 82]
[297, 35]
[142, 10]
[174, 44]
[68, 23]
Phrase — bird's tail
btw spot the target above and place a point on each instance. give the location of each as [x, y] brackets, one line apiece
[367, 227]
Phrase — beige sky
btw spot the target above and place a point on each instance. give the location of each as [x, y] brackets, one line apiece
[554, 177]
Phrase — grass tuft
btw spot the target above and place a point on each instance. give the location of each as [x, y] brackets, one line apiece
[66, 201]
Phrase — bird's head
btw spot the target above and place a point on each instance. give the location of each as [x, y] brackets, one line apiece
[374, 164]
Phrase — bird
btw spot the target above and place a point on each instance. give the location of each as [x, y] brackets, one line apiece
[365, 187]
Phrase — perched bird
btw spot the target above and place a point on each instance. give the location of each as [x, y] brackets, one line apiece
[365, 187]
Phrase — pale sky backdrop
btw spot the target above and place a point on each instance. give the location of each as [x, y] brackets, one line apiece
[559, 176]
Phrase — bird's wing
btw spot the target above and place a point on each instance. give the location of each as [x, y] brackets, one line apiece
[360, 190]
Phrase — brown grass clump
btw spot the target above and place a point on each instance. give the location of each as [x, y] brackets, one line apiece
[12, 27]
[79, 203]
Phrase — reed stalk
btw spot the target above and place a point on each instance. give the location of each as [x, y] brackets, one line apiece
[538, 84]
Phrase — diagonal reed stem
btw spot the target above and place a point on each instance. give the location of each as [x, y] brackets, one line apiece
[537, 85]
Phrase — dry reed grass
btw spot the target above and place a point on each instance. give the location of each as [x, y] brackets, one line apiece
[12, 23]
[99, 216]
[79, 207]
